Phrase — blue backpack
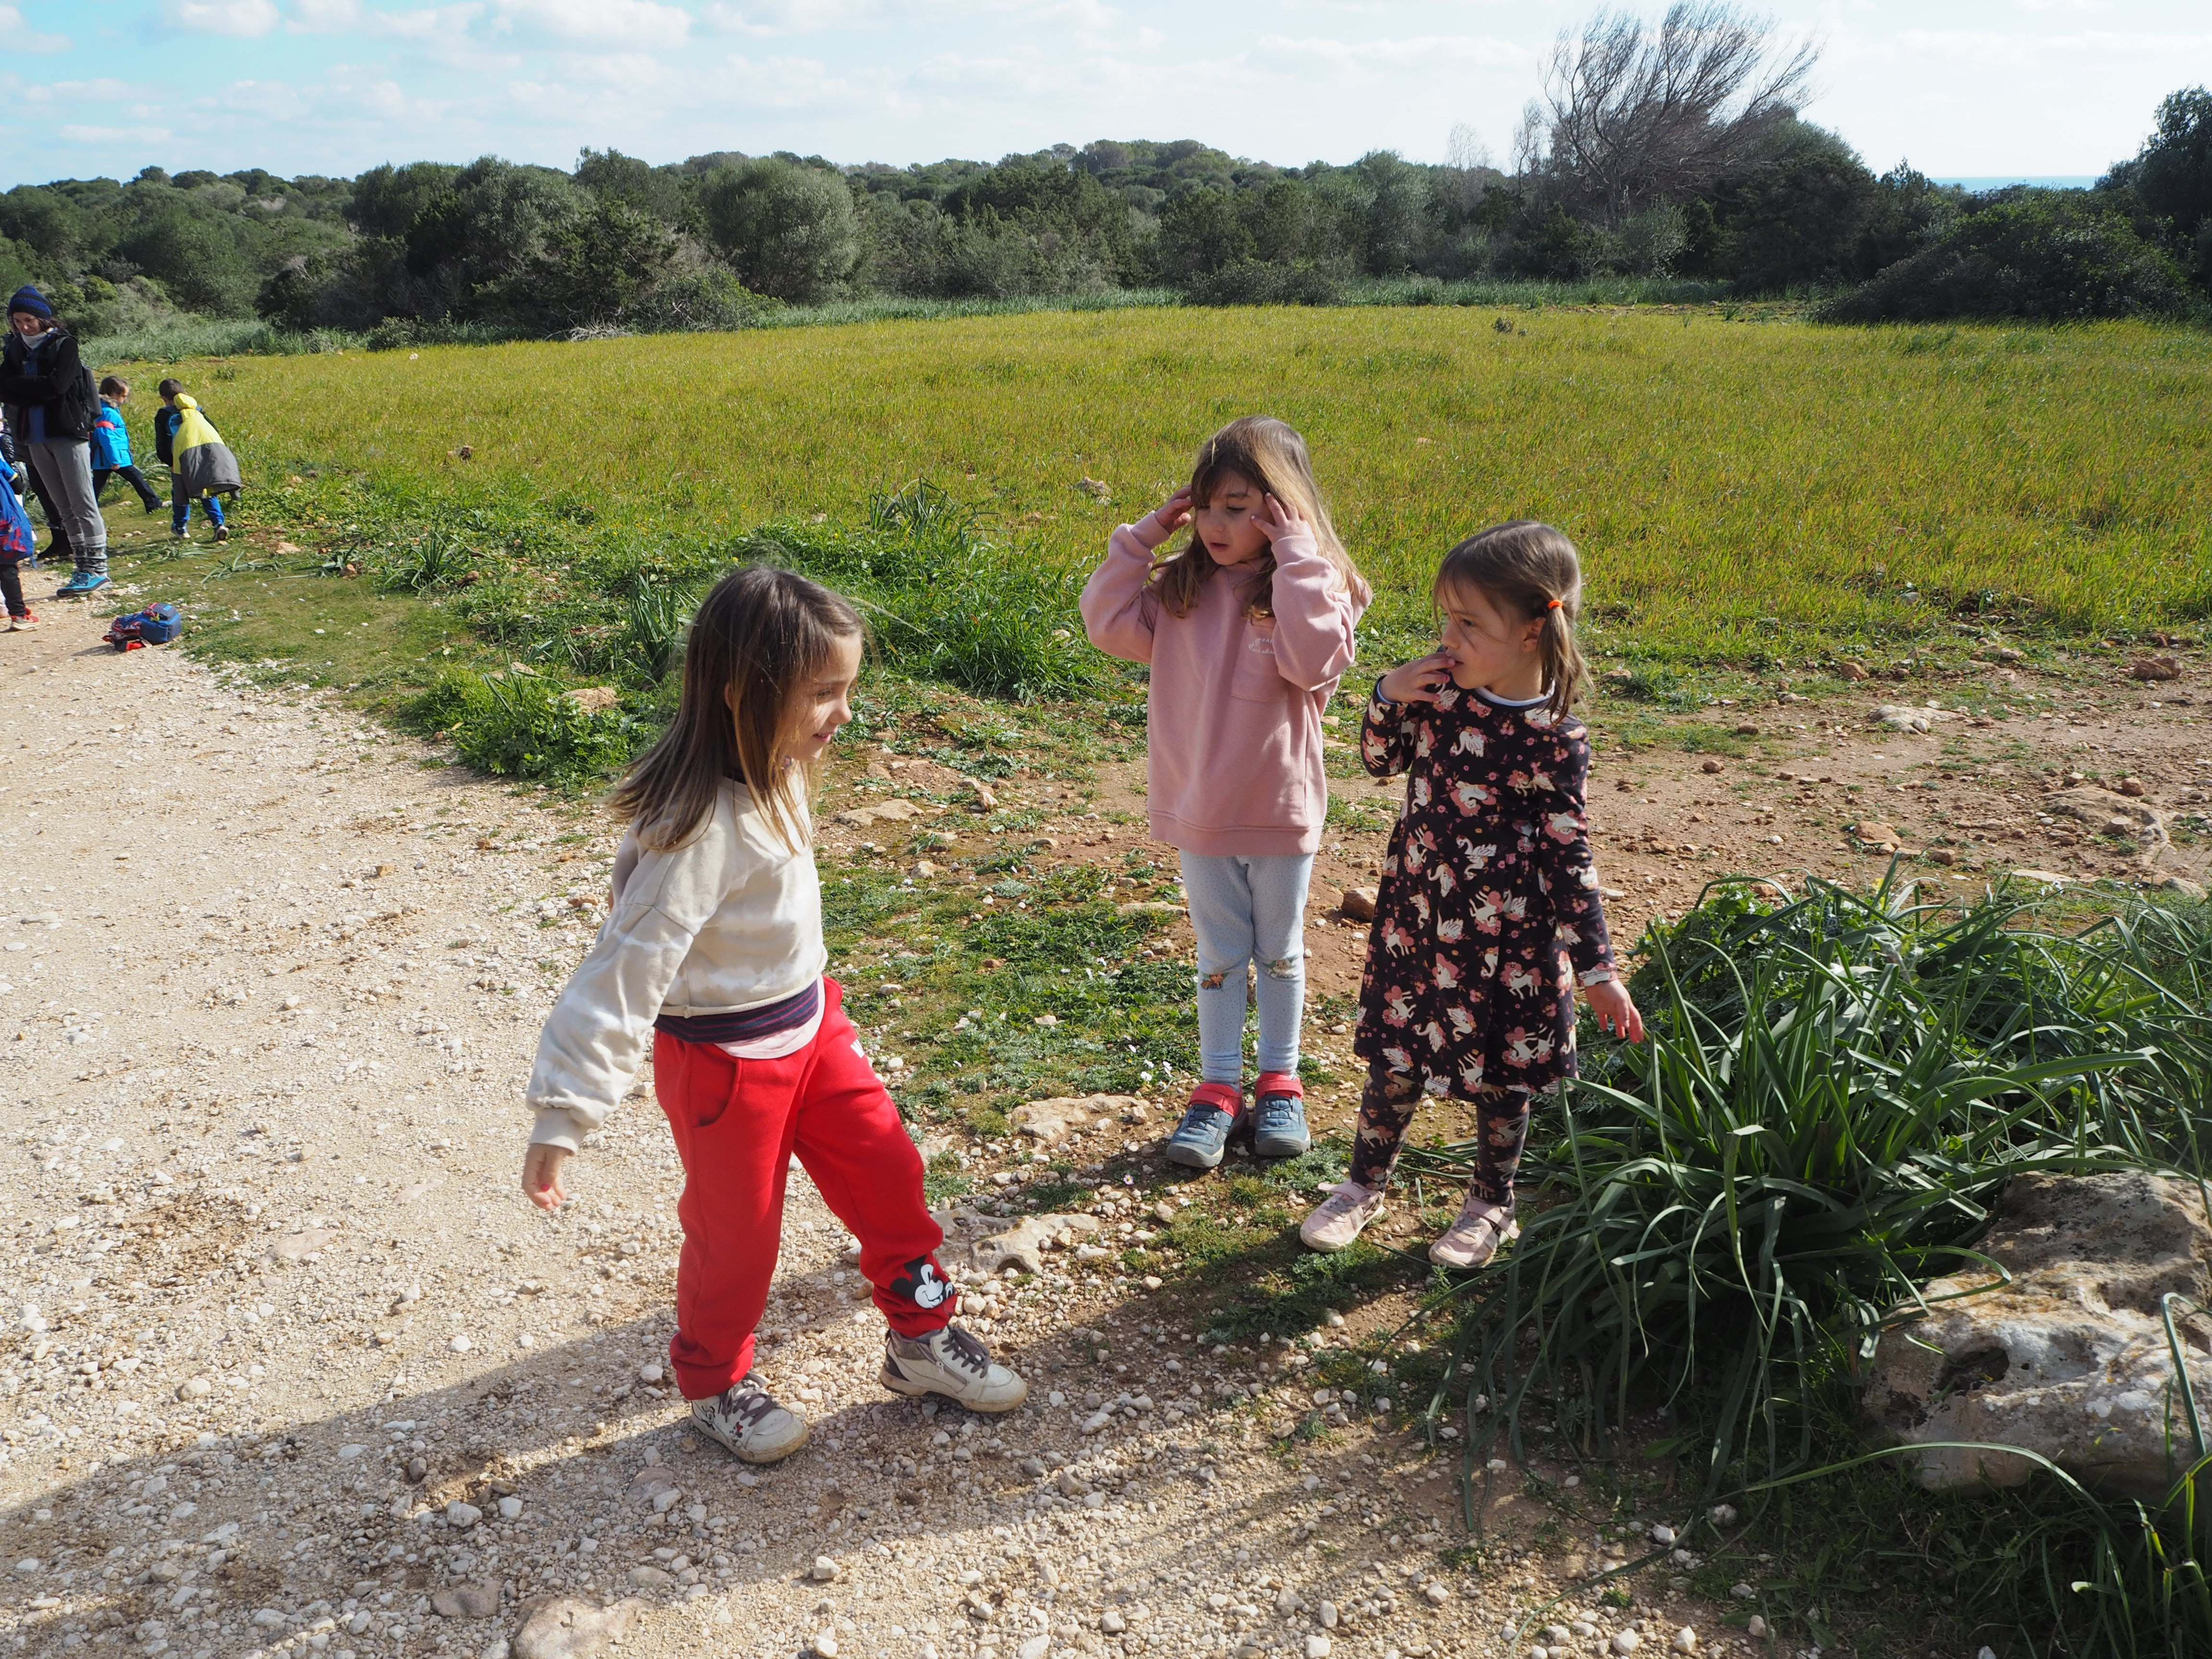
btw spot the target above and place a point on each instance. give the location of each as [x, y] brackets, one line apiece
[157, 625]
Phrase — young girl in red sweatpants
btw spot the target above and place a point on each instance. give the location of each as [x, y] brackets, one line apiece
[715, 943]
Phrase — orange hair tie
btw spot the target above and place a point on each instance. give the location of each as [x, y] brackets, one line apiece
[1551, 604]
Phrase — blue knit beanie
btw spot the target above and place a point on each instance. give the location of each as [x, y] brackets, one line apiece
[27, 298]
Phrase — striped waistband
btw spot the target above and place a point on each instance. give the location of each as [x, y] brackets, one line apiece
[747, 1023]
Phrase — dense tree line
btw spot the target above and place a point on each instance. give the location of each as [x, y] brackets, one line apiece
[1739, 192]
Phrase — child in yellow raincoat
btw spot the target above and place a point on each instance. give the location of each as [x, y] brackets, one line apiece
[200, 466]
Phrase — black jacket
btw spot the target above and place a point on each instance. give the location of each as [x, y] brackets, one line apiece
[64, 388]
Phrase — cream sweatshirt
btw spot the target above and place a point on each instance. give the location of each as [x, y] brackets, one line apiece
[1233, 717]
[730, 920]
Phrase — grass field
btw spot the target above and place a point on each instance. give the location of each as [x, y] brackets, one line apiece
[1738, 488]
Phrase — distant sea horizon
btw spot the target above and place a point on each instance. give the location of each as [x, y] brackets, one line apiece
[2042, 181]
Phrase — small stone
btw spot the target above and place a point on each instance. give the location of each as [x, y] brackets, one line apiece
[1724, 1515]
[1557, 1635]
[510, 1508]
[1436, 1591]
[651, 1577]
[460, 1345]
[1036, 1648]
[2185, 888]
[1852, 671]
[1112, 1623]
[1626, 1641]
[2155, 668]
[824, 1571]
[1318, 1646]
[2132, 788]
[1327, 1615]
[1876, 833]
[498, 1648]
[1756, 1628]
[1942, 855]
[1357, 903]
[194, 1388]
[1709, 767]
[1686, 1640]
[1663, 1536]
[462, 1515]
[649, 1373]
[825, 1644]
[1743, 1592]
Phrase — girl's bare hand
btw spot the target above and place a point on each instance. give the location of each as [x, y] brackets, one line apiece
[1417, 681]
[1615, 1009]
[1276, 521]
[1171, 514]
[541, 1176]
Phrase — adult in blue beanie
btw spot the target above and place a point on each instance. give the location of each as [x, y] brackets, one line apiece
[51, 405]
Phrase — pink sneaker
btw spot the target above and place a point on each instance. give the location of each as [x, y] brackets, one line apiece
[1474, 1237]
[1341, 1218]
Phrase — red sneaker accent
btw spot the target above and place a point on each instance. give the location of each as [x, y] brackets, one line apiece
[1222, 1097]
[1277, 1083]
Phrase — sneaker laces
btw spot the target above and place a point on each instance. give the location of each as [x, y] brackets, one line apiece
[964, 1350]
[1348, 1196]
[747, 1401]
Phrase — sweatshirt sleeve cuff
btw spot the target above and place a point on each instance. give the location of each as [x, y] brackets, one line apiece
[556, 1126]
[1148, 534]
[1602, 976]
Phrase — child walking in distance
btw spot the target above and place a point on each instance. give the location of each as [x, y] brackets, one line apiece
[110, 446]
[16, 545]
[1248, 626]
[200, 466]
[50, 405]
[1487, 915]
[714, 944]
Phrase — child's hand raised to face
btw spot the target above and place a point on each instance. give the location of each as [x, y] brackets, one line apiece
[1420, 680]
[1171, 515]
[1615, 1009]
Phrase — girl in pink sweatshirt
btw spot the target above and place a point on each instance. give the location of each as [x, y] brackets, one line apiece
[1247, 627]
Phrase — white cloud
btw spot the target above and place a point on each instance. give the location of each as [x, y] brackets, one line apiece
[22, 37]
[629, 24]
[789, 16]
[117, 135]
[324, 16]
[104, 90]
[1420, 52]
[245, 19]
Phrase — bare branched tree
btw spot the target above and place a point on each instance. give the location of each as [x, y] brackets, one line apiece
[1632, 116]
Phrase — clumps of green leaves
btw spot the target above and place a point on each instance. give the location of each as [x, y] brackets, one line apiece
[523, 726]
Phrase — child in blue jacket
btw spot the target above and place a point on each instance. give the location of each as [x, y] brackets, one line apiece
[110, 444]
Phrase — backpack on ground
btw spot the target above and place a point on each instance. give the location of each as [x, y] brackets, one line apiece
[157, 625]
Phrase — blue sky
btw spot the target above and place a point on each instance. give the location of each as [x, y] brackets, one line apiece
[88, 87]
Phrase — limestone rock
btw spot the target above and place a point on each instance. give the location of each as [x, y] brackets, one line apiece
[1357, 903]
[567, 1628]
[1053, 1120]
[2109, 811]
[466, 1600]
[591, 699]
[1903, 717]
[2155, 668]
[2183, 888]
[1024, 1243]
[2069, 1360]
[882, 812]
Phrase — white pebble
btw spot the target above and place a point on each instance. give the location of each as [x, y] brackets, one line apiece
[462, 1515]
[825, 1644]
[510, 1508]
[1318, 1647]
[825, 1571]
[648, 1373]
[1987, 1653]
[1663, 1536]
[1743, 1592]
[1626, 1641]
[1686, 1640]
[1437, 1591]
[1036, 1648]
[1756, 1628]
[1724, 1515]
[1327, 1615]
[460, 1345]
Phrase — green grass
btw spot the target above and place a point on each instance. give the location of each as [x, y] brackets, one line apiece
[1747, 491]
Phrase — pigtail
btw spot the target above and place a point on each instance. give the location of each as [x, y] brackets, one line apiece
[1566, 672]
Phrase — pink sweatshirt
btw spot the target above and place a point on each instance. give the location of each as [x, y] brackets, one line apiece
[1234, 724]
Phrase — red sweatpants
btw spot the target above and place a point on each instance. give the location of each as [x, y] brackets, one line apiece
[737, 1123]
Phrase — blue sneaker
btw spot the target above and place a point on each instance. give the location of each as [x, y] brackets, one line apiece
[1202, 1137]
[1278, 1116]
[83, 582]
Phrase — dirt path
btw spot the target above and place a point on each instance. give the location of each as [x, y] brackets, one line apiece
[290, 1367]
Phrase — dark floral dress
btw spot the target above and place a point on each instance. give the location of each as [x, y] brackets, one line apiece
[1488, 910]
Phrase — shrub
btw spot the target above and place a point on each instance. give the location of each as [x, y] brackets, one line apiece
[521, 725]
[2051, 256]
[1264, 282]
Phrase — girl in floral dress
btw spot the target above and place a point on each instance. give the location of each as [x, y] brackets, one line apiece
[1488, 916]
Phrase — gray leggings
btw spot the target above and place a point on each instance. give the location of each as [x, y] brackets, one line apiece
[65, 468]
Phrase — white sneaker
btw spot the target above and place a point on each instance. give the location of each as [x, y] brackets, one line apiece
[1342, 1217]
[951, 1362]
[1474, 1237]
[745, 1418]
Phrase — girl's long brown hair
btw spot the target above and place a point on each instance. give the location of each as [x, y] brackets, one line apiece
[1529, 571]
[1269, 453]
[758, 639]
